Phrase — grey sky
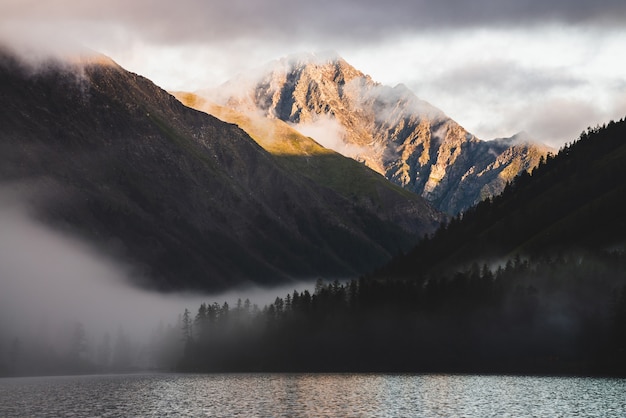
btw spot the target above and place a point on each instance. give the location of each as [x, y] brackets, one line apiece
[353, 20]
[497, 67]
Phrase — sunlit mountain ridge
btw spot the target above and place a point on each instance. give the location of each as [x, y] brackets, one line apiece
[305, 156]
[406, 139]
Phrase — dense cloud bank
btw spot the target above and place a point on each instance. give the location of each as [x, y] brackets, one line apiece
[195, 20]
[497, 68]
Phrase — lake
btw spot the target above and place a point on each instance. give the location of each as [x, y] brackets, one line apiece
[311, 395]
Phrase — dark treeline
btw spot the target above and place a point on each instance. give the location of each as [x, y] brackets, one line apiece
[556, 315]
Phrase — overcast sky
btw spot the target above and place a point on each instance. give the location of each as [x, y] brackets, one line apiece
[497, 67]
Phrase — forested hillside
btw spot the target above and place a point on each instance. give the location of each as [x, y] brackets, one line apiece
[550, 300]
[574, 200]
[550, 316]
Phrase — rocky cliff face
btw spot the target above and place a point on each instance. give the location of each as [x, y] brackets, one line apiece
[189, 200]
[406, 139]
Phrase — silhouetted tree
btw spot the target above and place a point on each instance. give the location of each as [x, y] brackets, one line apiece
[104, 351]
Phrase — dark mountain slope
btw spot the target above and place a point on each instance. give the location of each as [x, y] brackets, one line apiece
[350, 179]
[557, 309]
[191, 200]
[575, 201]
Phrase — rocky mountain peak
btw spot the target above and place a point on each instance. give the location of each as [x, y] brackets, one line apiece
[406, 139]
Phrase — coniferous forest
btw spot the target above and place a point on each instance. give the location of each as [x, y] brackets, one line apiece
[561, 315]
[531, 281]
[572, 200]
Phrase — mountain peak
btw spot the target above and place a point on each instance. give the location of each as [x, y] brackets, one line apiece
[37, 60]
[523, 139]
[391, 130]
[299, 61]
[318, 65]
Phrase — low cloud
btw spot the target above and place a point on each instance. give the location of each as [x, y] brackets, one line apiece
[394, 104]
[618, 104]
[50, 280]
[37, 42]
[480, 62]
[555, 119]
[201, 21]
[328, 132]
[48, 277]
[505, 77]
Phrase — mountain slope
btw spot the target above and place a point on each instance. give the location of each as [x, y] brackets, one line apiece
[406, 139]
[574, 202]
[188, 199]
[557, 308]
[303, 155]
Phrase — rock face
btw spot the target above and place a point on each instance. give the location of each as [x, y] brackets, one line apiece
[189, 200]
[406, 139]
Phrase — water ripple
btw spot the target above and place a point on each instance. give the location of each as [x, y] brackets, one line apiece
[311, 395]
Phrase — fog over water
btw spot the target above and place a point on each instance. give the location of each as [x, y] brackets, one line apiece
[49, 281]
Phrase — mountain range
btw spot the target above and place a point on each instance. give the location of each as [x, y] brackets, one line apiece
[189, 200]
[391, 130]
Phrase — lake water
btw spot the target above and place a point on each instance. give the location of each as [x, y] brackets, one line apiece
[311, 395]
